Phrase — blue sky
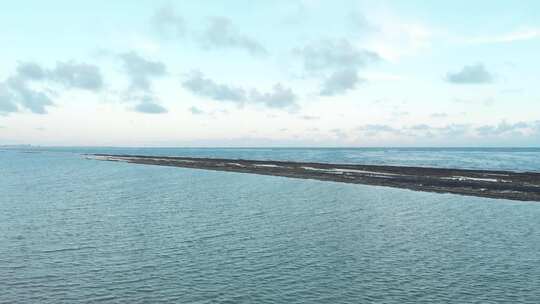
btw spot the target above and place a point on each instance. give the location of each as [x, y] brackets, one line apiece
[270, 73]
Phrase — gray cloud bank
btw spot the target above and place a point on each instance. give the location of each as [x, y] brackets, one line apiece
[218, 33]
[7, 104]
[149, 107]
[522, 133]
[168, 23]
[198, 84]
[279, 97]
[340, 82]
[334, 54]
[71, 75]
[470, 74]
[141, 72]
[23, 95]
[196, 111]
[19, 90]
[452, 131]
[337, 62]
[78, 75]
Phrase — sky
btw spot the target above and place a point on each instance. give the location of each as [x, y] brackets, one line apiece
[270, 73]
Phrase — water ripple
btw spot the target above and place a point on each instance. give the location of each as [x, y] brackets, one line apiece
[76, 231]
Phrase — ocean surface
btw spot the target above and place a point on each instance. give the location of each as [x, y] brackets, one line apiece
[74, 230]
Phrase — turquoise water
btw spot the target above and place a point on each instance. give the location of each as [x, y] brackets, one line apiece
[81, 231]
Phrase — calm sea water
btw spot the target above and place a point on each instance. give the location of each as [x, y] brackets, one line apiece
[81, 231]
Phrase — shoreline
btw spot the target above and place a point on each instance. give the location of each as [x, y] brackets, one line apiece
[521, 186]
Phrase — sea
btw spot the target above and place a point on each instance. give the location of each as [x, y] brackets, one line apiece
[78, 230]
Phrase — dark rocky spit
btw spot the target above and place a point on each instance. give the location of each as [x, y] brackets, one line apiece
[521, 186]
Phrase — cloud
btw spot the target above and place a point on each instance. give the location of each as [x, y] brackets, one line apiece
[7, 105]
[168, 23]
[78, 75]
[149, 107]
[31, 71]
[198, 84]
[417, 130]
[70, 74]
[222, 34]
[420, 127]
[361, 23]
[504, 128]
[141, 70]
[278, 97]
[17, 90]
[20, 88]
[218, 33]
[453, 130]
[334, 54]
[451, 134]
[470, 74]
[340, 82]
[340, 134]
[376, 129]
[33, 100]
[196, 111]
[336, 62]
